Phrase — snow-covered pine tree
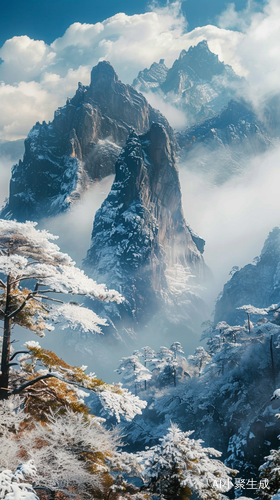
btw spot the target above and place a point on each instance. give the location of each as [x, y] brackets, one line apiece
[270, 470]
[199, 359]
[270, 476]
[179, 467]
[133, 373]
[59, 386]
[163, 366]
[28, 255]
[177, 348]
[13, 485]
[148, 354]
[167, 363]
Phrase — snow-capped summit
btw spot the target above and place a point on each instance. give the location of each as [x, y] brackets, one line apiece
[81, 144]
[196, 65]
[141, 244]
[197, 83]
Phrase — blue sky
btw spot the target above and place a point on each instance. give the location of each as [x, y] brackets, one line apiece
[48, 20]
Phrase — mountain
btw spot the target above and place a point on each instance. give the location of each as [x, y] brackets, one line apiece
[222, 145]
[141, 244]
[80, 145]
[197, 83]
[257, 284]
[151, 79]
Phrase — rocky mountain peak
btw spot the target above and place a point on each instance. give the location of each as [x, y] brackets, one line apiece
[271, 246]
[148, 170]
[79, 146]
[158, 148]
[195, 65]
[197, 83]
[182, 54]
[199, 54]
[229, 138]
[103, 74]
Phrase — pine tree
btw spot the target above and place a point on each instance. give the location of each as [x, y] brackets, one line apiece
[133, 373]
[199, 359]
[179, 466]
[28, 256]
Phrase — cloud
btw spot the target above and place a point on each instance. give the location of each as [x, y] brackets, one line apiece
[5, 172]
[234, 218]
[75, 227]
[25, 103]
[5, 175]
[177, 118]
[230, 18]
[258, 49]
[24, 59]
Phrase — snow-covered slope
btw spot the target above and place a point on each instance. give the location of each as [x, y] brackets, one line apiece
[198, 83]
[140, 243]
[80, 145]
[257, 284]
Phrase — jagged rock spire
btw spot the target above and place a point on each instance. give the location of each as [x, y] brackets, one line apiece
[139, 234]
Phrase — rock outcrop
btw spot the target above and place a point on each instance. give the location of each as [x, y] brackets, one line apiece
[257, 284]
[81, 144]
[141, 244]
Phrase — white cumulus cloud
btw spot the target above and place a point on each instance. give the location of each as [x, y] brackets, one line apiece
[24, 59]
[258, 49]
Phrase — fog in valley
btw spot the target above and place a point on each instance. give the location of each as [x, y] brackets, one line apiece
[234, 219]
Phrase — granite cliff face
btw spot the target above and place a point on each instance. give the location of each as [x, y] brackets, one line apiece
[220, 146]
[140, 243]
[198, 83]
[257, 284]
[81, 144]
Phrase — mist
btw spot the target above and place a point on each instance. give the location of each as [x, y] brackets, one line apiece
[75, 226]
[176, 117]
[5, 175]
[236, 217]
